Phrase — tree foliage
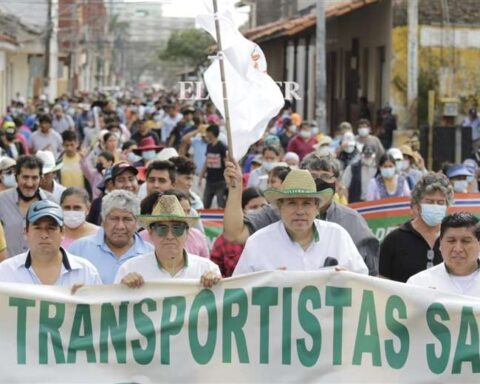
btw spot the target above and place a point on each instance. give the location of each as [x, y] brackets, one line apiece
[188, 47]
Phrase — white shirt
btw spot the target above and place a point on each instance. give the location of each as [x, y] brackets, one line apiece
[75, 270]
[271, 248]
[147, 266]
[438, 277]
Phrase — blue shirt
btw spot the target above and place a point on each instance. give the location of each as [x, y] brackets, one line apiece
[94, 249]
[198, 148]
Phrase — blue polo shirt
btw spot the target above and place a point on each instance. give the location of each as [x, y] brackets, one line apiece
[94, 249]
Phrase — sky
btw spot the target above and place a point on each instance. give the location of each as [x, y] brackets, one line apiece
[190, 8]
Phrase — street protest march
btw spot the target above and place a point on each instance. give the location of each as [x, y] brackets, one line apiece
[279, 326]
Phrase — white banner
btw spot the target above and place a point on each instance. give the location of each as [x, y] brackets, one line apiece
[267, 327]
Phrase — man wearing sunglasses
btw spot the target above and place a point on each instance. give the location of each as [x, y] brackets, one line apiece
[168, 229]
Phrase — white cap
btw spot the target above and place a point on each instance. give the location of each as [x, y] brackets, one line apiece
[166, 154]
[6, 162]
[395, 153]
[49, 164]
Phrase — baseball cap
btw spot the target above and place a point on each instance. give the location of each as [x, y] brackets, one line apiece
[45, 208]
[121, 167]
[106, 177]
[471, 166]
[458, 170]
[6, 162]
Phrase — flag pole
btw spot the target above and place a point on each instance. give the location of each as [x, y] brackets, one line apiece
[224, 84]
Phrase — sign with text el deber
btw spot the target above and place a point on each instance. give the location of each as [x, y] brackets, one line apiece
[319, 326]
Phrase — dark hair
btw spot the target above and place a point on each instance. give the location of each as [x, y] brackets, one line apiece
[183, 165]
[75, 191]
[44, 118]
[107, 135]
[149, 202]
[363, 122]
[127, 144]
[213, 129]
[162, 165]
[249, 194]
[69, 136]
[29, 162]
[179, 194]
[107, 155]
[460, 220]
[280, 171]
[312, 162]
[384, 158]
[270, 148]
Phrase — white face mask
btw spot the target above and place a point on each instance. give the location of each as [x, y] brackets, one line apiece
[399, 165]
[305, 134]
[267, 166]
[133, 158]
[387, 173]
[73, 219]
[365, 131]
[9, 181]
[460, 186]
[293, 128]
[405, 165]
[315, 131]
[350, 148]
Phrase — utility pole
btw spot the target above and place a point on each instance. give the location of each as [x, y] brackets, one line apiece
[412, 85]
[51, 52]
[47, 47]
[321, 73]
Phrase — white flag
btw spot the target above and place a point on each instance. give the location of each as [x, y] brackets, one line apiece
[253, 96]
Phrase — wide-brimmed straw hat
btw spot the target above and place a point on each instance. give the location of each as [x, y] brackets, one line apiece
[167, 208]
[298, 183]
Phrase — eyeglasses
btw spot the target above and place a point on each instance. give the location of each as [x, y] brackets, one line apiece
[177, 230]
[430, 256]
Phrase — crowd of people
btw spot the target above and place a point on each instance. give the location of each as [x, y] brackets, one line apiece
[108, 190]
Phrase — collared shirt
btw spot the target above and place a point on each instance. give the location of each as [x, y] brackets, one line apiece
[349, 219]
[272, 248]
[14, 221]
[438, 278]
[95, 249]
[74, 270]
[148, 266]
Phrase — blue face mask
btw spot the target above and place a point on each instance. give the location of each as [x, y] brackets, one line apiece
[148, 155]
[9, 181]
[387, 173]
[433, 214]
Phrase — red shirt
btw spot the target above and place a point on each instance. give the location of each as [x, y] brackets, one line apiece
[301, 147]
[225, 254]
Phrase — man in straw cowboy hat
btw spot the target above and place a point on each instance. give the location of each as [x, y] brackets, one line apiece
[299, 241]
[168, 228]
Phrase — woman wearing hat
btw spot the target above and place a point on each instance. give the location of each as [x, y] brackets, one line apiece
[168, 229]
[299, 242]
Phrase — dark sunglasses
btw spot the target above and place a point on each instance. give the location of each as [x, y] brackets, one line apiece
[176, 229]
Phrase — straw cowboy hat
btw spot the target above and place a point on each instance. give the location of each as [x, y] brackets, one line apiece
[167, 208]
[298, 183]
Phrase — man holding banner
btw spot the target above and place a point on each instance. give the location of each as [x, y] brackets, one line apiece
[325, 170]
[299, 242]
[460, 246]
[46, 262]
[168, 229]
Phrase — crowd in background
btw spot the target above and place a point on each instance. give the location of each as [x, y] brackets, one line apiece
[154, 145]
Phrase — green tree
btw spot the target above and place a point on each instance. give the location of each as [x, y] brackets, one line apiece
[189, 47]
